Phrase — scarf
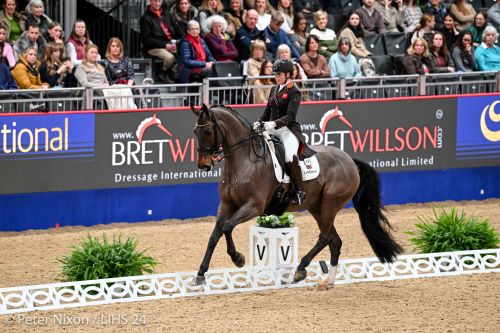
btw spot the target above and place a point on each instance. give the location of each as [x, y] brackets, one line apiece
[198, 47]
[358, 31]
[163, 24]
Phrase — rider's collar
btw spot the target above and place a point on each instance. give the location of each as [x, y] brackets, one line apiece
[288, 84]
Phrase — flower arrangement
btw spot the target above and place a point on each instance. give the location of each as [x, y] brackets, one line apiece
[287, 220]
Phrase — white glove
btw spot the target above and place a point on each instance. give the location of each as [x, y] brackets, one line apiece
[257, 126]
[268, 125]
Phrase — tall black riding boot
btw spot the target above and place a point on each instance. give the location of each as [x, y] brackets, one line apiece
[296, 177]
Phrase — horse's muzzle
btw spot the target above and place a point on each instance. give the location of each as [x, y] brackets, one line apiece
[205, 163]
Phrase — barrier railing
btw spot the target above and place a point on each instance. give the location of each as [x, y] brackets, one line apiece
[241, 90]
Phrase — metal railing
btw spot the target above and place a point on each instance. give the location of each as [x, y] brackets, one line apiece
[239, 90]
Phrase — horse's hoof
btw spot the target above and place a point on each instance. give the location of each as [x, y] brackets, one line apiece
[199, 280]
[239, 260]
[299, 276]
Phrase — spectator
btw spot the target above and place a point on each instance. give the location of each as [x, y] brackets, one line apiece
[436, 9]
[298, 34]
[354, 32]
[488, 54]
[494, 15]
[35, 15]
[285, 7]
[218, 41]
[441, 58]
[77, 42]
[299, 81]
[6, 50]
[343, 64]
[234, 16]
[7, 82]
[328, 43]
[275, 36]
[55, 71]
[425, 29]
[418, 59]
[118, 67]
[182, 12]
[91, 74]
[13, 22]
[313, 63]
[393, 15]
[464, 14]
[264, 84]
[248, 33]
[284, 52]
[159, 38]
[373, 22]
[264, 11]
[411, 15]
[254, 63]
[32, 38]
[450, 31]
[26, 72]
[207, 9]
[463, 53]
[477, 28]
[54, 33]
[195, 59]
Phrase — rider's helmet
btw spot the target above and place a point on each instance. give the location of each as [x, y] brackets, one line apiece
[283, 66]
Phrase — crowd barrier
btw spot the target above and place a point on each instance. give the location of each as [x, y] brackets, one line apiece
[141, 165]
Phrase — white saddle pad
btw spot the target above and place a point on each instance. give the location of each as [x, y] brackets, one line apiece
[309, 166]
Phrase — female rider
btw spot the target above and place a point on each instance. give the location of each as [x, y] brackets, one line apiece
[279, 118]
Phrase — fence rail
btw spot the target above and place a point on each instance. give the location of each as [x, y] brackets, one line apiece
[240, 90]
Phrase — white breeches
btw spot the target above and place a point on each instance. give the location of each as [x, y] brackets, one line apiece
[289, 140]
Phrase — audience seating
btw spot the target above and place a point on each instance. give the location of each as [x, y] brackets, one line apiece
[473, 87]
[395, 87]
[384, 64]
[395, 43]
[447, 85]
[375, 44]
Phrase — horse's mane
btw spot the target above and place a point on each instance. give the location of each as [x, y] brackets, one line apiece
[233, 111]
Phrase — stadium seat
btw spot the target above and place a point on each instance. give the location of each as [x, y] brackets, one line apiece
[478, 86]
[365, 91]
[398, 64]
[5, 105]
[384, 64]
[395, 43]
[348, 6]
[447, 85]
[375, 44]
[351, 93]
[430, 88]
[396, 87]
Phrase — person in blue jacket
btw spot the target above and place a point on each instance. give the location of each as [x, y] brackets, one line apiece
[195, 59]
[275, 36]
[487, 54]
[7, 82]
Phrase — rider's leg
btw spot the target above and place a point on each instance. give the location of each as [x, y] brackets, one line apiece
[296, 176]
[291, 144]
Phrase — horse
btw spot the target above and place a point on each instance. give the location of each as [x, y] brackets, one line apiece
[247, 185]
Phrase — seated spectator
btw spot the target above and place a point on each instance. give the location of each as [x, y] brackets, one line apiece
[54, 33]
[477, 28]
[6, 50]
[264, 11]
[207, 9]
[7, 82]
[237, 12]
[248, 33]
[35, 15]
[55, 71]
[436, 9]
[494, 15]
[343, 64]
[118, 67]
[411, 15]
[13, 22]
[275, 36]
[254, 63]
[300, 82]
[298, 34]
[77, 43]
[195, 58]
[464, 14]
[441, 58]
[263, 84]
[218, 41]
[463, 53]
[449, 31]
[182, 12]
[418, 59]
[91, 74]
[488, 54]
[284, 52]
[354, 32]
[313, 63]
[31, 38]
[425, 29]
[393, 15]
[328, 43]
[373, 22]
[159, 38]
[285, 7]
[26, 72]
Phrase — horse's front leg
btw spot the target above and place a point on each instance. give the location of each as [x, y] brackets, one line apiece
[237, 258]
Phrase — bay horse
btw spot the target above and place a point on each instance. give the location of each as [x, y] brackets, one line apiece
[247, 184]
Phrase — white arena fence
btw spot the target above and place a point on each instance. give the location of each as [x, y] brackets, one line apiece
[248, 279]
[240, 90]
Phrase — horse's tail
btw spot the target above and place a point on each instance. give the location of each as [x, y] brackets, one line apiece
[370, 210]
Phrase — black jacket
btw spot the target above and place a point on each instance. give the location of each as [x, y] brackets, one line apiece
[244, 38]
[152, 35]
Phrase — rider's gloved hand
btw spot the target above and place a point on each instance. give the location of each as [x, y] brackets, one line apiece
[257, 126]
[268, 125]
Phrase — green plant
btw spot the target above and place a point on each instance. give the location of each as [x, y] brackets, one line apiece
[286, 220]
[92, 259]
[453, 231]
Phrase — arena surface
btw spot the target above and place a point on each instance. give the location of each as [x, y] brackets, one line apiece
[449, 304]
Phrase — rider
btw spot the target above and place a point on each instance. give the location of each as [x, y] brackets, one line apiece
[279, 118]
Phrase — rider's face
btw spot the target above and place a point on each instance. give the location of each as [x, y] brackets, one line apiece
[280, 78]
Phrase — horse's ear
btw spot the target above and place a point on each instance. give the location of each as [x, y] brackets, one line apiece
[195, 110]
[204, 108]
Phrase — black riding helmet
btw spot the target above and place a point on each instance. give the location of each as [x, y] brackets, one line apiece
[283, 66]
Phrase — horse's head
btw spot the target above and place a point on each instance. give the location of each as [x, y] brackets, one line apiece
[206, 134]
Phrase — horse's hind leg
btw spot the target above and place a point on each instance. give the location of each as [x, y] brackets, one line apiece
[335, 245]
